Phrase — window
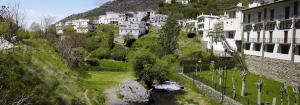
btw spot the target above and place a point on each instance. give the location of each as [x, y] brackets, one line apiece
[248, 36]
[287, 12]
[257, 47]
[296, 8]
[272, 15]
[258, 36]
[247, 46]
[265, 13]
[284, 49]
[269, 48]
[285, 36]
[231, 34]
[249, 18]
[259, 16]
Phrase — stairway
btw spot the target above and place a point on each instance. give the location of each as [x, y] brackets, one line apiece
[230, 50]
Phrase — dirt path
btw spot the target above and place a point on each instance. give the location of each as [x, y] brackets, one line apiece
[88, 101]
[112, 98]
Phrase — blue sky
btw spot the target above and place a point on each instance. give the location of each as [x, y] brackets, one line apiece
[34, 10]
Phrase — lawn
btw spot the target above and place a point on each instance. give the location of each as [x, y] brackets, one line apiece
[96, 82]
[269, 86]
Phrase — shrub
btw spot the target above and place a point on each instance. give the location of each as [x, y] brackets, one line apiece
[100, 53]
[119, 52]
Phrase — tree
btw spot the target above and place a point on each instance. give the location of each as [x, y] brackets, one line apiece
[11, 19]
[49, 31]
[169, 35]
[156, 72]
[35, 29]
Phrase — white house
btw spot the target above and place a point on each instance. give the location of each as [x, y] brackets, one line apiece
[279, 36]
[60, 27]
[205, 26]
[158, 20]
[111, 18]
[178, 1]
[233, 26]
[80, 26]
[132, 28]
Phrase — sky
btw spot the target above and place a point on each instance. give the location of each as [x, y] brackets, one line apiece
[34, 10]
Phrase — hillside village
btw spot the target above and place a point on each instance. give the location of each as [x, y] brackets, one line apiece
[249, 54]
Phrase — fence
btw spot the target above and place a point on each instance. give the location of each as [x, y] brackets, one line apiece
[223, 89]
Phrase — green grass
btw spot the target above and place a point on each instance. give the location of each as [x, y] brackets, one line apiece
[98, 81]
[38, 62]
[273, 87]
[105, 79]
[112, 65]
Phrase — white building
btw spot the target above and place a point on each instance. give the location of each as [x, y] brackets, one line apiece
[60, 27]
[80, 26]
[178, 1]
[158, 20]
[111, 18]
[279, 36]
[132, 28]
[205, 26]
[233, 27]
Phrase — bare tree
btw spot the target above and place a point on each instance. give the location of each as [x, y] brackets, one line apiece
[48, 29]
[12, 18]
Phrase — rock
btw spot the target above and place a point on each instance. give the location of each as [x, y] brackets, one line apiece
[134, 92]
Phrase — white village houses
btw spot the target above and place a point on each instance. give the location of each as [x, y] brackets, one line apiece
[244, 27]
[281, 34]
[80, 26]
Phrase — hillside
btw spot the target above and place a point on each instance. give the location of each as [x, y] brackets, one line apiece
[33, 73]
[118, 6]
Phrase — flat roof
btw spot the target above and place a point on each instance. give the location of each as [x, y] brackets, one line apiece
[267, 5]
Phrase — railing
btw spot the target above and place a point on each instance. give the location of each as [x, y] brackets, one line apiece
[255, 40]
[272, 40]
[285, 24]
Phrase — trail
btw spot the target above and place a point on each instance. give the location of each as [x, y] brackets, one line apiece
[88, 101]
[112, 98]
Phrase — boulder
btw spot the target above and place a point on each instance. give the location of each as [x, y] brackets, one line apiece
[134, 92]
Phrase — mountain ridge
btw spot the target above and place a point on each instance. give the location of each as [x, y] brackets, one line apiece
[117, 6]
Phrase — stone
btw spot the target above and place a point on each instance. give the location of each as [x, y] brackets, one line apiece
[276, 69]
[134, 92]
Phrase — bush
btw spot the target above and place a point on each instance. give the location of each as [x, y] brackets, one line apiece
[119, 52]
[100, 53]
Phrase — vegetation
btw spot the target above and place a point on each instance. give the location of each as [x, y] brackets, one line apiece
[196, 7]
[117, 6]
[270, 87]
[169, 35]
[99, 81]
[34, 73]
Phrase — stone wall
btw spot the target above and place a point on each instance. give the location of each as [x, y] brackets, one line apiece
[214, 94]
[280, 70]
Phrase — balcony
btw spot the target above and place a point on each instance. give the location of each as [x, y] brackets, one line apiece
[255, 40]
[297, 25]
[273, 40]
[282, 40]
[270, 26]
[248, 27]
[285, 24]
[258, 26]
